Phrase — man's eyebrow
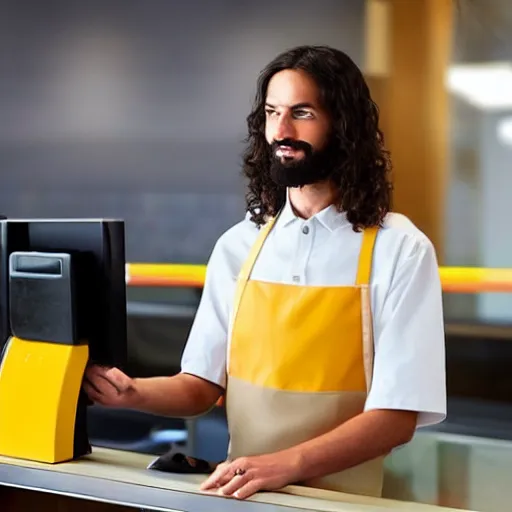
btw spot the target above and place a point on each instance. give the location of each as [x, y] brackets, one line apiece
[303, 105]
[294, 107]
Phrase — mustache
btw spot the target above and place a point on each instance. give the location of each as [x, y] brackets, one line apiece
[293, 144]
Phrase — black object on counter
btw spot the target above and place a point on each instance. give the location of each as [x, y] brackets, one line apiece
[179, 463]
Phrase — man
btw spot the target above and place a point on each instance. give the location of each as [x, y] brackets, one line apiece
[321, 318]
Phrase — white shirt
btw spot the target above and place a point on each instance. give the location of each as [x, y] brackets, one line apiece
[406, 297]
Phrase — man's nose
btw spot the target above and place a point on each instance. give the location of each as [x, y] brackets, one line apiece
[285, 128]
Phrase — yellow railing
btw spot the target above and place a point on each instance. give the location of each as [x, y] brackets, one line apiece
[453, 279]
[165, 274]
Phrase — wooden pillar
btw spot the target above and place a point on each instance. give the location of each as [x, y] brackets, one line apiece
[410, 91]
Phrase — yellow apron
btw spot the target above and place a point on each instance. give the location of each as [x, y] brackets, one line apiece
[300, 363]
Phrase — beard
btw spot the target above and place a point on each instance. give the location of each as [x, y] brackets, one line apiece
[313, 167]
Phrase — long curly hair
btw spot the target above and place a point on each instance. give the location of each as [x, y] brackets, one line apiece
[360, 174]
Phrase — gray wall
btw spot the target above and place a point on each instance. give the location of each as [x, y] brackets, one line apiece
[137, 109]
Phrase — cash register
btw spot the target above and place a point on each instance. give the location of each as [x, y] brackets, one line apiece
[62, 307]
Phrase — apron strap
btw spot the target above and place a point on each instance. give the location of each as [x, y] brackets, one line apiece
[248, 265]
[366, 256]
[363, 281]
[249, 262]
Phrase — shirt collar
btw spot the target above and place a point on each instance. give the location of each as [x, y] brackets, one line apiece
[329, 217]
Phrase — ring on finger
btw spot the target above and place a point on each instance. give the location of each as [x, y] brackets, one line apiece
[239, 472]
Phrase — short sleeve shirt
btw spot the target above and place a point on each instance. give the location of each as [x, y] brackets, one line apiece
[406, 298]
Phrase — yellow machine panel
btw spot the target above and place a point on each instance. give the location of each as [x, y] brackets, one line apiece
[39, 387]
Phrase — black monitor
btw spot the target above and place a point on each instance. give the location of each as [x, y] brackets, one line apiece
[4, 286]
[97, 247]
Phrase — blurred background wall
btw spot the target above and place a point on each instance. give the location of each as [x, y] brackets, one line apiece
[136, 109]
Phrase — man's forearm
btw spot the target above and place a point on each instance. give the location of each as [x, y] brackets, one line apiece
[180, 396]
[362, 438]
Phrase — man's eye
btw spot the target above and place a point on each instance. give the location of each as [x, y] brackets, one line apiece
[270, 112]
[303, 113]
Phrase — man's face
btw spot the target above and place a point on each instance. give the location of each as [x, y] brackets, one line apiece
[297, 129]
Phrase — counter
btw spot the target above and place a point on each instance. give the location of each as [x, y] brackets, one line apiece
[120, 479]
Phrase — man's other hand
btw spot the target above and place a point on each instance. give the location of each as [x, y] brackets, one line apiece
[245, 476]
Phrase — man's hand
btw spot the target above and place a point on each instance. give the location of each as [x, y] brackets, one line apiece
[110, 387]
[243, 477]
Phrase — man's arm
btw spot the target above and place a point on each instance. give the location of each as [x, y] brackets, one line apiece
[360, 439]
[366, 436]
[180, 396]
[408, 386]
[203, 367]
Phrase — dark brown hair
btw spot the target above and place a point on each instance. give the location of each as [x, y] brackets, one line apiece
[361, 171]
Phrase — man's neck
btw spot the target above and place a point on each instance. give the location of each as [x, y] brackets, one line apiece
[311, 199]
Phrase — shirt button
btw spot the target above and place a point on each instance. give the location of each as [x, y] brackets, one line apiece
[305, 230]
